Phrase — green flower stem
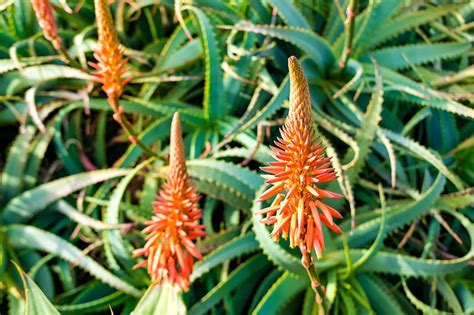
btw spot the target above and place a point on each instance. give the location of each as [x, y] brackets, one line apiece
[119, 116]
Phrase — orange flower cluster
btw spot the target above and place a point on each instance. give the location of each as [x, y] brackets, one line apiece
[111, 65]
[45, 16]
[169, 249]
[295, 176]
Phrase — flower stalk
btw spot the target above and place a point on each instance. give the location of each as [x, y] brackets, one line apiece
[45, 15]
[111, 67]
[170, 249]
[300, 167]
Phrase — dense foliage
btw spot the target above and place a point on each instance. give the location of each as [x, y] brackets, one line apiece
[392, 90]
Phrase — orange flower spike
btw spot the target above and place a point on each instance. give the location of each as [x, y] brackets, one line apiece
[170, 249]
[111, 65]
[295, 176]
[45, 16]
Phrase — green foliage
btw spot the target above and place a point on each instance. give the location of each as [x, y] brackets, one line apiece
[35, 300]
[397, 121]
[161, 300]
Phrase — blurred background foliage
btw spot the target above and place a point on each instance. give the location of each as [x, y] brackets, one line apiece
[392, 97]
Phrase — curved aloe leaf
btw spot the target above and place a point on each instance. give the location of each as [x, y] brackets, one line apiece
[403, 23]
[36, 301]
[423, 307]
[12, 175]
[25, 206]
[380, 296]
[22, 236]
[404, 265]
[401, 87]
[424, 154]
[284, 289]
[290, 14]
[366, 133]
[9, 64]
[51, 72]
[251, 268]
[112, 238]
[97, 305]
[271, 249]
[214, 102]
[225, 181]
[236, 247]
[397, 218]
[315, 46]
[411, 55]
[161, 299]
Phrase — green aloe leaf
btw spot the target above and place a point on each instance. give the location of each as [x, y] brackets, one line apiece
[374, 248]
[115, 245]
[315, 46]
[422, 306]
[225, 181]
[411, 55]
[22, 236]
[97, 305]
[44, 73]
[405, 265]
[425, 154]
[214, 102]
[13, 171]
[381, 298]
[251, 268]
[188, 53]
[25, 206]
[284, 289]
[367, 23]
[275, 253]
[368, 127]
[403, 23]
[234, 248]
[9, 64]
[400, 87]
[402, 215]
[36, 302]
[290, 14]
[449, 296]
[161, 299]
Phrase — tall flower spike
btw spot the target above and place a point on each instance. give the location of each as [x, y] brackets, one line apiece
[296, 175]
[45, 16]
[111, 65]
[169, 248]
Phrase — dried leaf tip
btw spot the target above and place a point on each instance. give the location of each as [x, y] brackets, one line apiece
[45, 15]
[297, 174]
[170, 249]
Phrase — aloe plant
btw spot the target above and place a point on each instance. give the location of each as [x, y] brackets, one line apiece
[391, 86]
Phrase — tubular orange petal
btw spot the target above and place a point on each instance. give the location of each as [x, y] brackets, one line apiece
[333, 211]
[269, 209]
[271, 192]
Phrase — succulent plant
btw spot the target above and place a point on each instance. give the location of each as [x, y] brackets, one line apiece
[375, 106]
